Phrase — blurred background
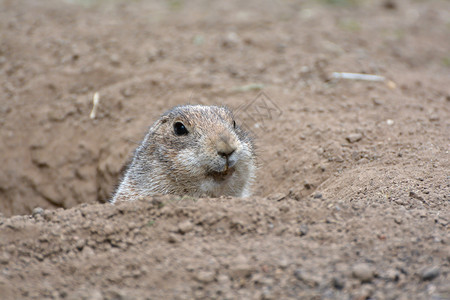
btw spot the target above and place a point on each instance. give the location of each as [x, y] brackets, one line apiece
[143, 57]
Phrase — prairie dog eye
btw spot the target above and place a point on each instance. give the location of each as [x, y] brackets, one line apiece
[234, 124]
[180, 129]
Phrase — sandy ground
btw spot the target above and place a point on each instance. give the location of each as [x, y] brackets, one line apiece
[352, 199]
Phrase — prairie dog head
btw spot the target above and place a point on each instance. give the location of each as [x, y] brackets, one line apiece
[193, 150]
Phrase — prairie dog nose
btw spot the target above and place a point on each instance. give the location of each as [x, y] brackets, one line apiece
[224, 146]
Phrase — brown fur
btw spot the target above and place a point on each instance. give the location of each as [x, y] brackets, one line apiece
[216, 157]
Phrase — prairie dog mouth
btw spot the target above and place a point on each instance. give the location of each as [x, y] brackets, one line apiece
[221, 176]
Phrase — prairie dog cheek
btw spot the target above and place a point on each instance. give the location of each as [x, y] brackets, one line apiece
[190, 162]
[186, 159]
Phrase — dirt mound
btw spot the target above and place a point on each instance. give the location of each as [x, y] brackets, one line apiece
[227, 248]
[353, 190]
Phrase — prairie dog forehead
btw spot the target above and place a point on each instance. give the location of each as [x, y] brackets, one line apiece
[200, 115]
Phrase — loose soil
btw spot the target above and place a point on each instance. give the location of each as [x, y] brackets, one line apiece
[352, 199]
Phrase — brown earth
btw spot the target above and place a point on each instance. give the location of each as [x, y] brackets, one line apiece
[352, 199]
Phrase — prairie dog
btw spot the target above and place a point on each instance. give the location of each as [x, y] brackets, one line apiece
[191, 150]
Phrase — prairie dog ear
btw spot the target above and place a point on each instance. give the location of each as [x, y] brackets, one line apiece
[157, 124]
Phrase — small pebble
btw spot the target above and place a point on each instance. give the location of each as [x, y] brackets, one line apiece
[415, 196]
[94, 294]
[173, 239]
[338, 283]
[434, 118]
[303, 229]
[354, 137]
[377, 102]
[390, 4]
[80, 244]
[364, 292]
[392, 275]
[39, 256]
[185, 227]
[37, 211]
[231, 40]
[4, 258]
[223, 279]
[109, 229]
[307, 278]
[363, 272]
[317, 196]
[283, 263]
[205, 276]
[267, 294]
[284, 208]
[87, 252]
[115, 59]
[398, 220]
[429, 273]
[241, 267]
